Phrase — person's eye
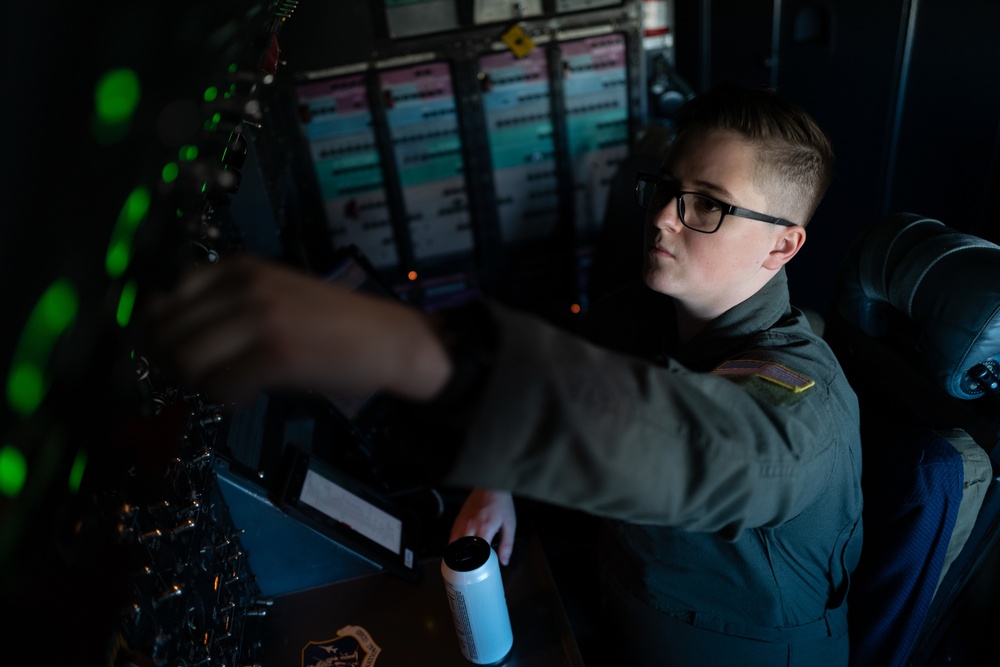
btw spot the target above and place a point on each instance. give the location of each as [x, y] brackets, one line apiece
[706, 205]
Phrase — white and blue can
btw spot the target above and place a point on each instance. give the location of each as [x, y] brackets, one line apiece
[471, 572]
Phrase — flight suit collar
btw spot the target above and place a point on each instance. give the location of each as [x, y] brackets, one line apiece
[726, 333]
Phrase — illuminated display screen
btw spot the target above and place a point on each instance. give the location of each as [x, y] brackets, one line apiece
[337, 122]
[423, 126]
[343, 506]
[519, 123]
[596, 98]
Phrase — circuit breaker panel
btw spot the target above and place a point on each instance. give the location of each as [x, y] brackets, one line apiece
[478, 156]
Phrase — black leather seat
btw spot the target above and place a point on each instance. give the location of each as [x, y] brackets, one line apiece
[916, 324]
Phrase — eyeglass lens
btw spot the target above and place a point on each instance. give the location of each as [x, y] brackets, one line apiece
[696, 211]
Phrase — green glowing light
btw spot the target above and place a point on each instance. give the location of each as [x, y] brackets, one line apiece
[211, 93]
[13, 471]
[119, 255]
[116, 96]
[188, 153]
[120, 248]
[126, 304]
[232, 68]
[57, 307]
[170, 172]
[54, 313]
[76, 473]
[25, 387]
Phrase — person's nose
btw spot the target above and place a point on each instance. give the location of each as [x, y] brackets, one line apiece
[669, 216]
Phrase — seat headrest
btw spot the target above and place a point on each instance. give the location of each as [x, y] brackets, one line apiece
[936, 289]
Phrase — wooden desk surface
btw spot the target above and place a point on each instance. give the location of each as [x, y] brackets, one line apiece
[411, 624]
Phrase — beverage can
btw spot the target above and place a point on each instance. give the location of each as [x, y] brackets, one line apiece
[471, 572]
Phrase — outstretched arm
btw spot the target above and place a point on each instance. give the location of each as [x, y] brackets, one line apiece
[245, 325]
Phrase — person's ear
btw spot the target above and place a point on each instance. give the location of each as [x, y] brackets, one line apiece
[786, 245]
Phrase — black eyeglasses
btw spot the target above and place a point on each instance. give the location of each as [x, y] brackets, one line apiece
[696, 211]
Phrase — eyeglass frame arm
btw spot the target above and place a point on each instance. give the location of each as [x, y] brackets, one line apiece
[727, 209]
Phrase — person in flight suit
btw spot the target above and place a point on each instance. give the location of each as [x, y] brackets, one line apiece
[704, 419]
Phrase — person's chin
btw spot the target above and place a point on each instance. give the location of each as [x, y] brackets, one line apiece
[656, 280]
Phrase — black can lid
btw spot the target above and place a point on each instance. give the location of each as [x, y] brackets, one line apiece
[467, 553]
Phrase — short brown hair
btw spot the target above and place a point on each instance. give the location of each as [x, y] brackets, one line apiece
[794, 156]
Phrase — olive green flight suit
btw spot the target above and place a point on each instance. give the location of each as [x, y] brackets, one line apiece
[729, 469]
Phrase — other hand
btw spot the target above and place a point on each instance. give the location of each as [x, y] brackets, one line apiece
[486, 513]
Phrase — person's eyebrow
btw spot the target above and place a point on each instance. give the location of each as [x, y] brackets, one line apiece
[713, 189]
[706, 187]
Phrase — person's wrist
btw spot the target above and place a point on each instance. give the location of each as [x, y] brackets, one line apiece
[426, 366]
[469, 336]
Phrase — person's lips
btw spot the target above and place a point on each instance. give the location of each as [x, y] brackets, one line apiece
[658, 250]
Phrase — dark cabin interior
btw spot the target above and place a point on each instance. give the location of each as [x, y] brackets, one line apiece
[143, 138]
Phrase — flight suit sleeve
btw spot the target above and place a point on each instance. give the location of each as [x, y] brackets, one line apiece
[568, 422]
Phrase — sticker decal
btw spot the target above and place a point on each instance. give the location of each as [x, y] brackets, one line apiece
[352, 647]
[517, 41]
[767, 370]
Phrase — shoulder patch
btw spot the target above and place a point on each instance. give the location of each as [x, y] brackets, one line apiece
[767, 370]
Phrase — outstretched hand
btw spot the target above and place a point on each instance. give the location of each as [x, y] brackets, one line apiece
[246, 325]
[486, 513]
